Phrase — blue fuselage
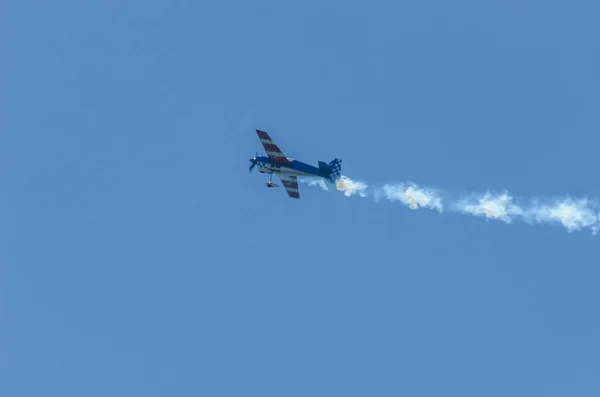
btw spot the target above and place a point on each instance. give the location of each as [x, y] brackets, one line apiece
[295, 167]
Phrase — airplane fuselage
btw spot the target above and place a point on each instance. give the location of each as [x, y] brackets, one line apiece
[295, 168]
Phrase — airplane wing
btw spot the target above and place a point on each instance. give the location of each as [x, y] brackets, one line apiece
[290, 183]
[273, 151]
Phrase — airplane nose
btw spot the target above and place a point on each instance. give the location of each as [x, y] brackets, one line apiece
[253, 161]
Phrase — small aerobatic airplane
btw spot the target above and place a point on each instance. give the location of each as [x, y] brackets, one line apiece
[288, 170]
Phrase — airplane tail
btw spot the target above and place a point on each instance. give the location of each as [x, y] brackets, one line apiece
[331, 171]
[336, 170]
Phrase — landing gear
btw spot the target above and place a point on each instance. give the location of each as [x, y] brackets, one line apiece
[270, 183]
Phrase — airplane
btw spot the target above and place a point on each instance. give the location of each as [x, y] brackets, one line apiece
[288, 169]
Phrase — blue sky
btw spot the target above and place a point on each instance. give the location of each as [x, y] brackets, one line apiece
[139, 257]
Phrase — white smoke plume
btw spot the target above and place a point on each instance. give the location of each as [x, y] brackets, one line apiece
[573, 214]
[491, 206]
[412, 196]
[344, 184]
[314, 182]
[350, 187]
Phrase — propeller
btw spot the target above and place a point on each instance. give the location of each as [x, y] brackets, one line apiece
[253, 161]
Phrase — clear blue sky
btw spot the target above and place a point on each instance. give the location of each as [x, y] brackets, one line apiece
[139, 257]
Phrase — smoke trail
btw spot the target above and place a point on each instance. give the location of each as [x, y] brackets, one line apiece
[350, 187]
[570, 213]
[412, 196]
[344, 184]
[573, 214]
[314, 182]
[490, 206]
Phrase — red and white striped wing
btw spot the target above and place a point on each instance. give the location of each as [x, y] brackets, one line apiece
[273, 151]
[290, 183]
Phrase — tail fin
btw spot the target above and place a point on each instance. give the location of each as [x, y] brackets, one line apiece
[336, 170]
